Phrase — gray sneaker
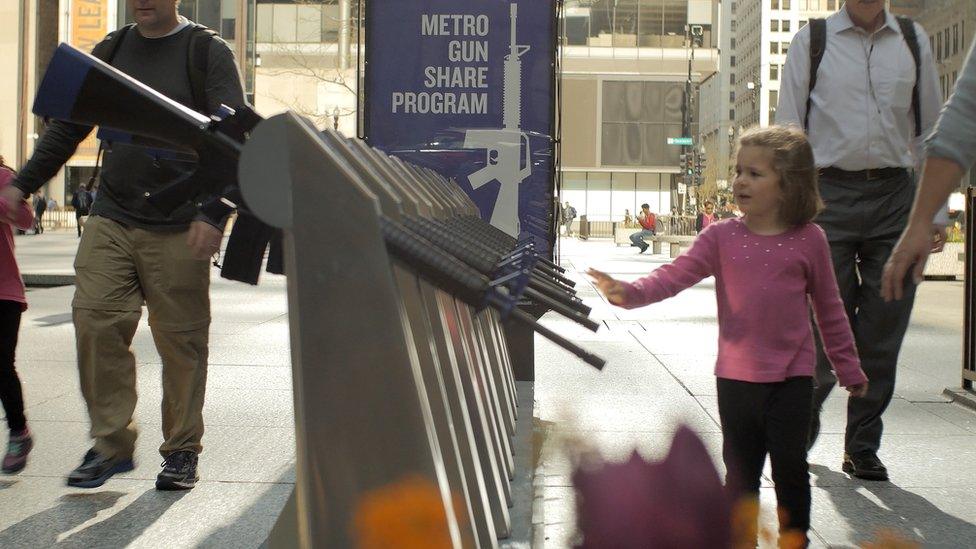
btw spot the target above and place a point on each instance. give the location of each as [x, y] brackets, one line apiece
[179, 471]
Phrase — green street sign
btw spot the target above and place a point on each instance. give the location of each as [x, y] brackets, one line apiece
[685, 141]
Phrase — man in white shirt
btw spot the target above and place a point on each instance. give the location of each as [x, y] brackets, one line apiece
[867, 137]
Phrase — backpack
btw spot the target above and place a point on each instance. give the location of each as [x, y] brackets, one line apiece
[818, 43]
[198, 58]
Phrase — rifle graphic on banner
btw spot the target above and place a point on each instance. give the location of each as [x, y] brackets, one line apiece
[505, 160]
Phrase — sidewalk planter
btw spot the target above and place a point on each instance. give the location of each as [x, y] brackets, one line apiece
[947, 263]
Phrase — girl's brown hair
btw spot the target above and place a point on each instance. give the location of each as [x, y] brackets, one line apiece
[793, 162]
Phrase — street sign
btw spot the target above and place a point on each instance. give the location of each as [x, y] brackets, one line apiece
[685, 141]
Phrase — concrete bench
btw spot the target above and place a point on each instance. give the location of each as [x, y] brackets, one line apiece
[675, 242]
[621, 237]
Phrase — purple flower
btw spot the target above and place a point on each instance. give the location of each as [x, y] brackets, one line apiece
[677, 502]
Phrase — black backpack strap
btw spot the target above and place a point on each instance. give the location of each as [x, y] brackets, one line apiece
[105, 50]
[818, 43]
[911, 38]
[197, 62]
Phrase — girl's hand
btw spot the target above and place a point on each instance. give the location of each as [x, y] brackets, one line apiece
[614, 290]
[859, 390]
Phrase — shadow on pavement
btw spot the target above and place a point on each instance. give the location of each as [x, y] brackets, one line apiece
[43, 529]
[258, 520]
[888, 507]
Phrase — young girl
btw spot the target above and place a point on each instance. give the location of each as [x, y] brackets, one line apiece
[769, 266]
[12, 304]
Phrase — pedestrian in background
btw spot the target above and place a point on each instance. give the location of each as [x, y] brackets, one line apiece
[850, 80]
[768, 266]
[951, 152]
[706, 217]
[81, 202]
[40, 206]
[648, 223]
[569, 214]
[132, 254]
[13, 302]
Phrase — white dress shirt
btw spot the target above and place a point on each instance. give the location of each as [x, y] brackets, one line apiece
[861, 115]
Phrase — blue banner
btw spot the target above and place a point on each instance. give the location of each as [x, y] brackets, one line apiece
[466, 87]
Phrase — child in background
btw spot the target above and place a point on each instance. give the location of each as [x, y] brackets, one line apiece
[12, 303]
[769, 267]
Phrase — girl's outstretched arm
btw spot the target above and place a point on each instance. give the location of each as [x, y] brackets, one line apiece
[614, 290]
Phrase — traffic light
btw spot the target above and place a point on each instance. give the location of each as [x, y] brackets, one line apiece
[685, 163]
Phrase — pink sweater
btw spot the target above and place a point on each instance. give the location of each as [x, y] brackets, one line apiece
[11, 285]
[764, 285]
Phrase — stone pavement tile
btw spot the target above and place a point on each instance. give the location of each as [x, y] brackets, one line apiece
[263, 455]
[695, 371]
[693, 336]
[39, 513]
[935, 517]
[902, 417]
[960, 416]
[913, 461]
[235, 407]
[649, 413]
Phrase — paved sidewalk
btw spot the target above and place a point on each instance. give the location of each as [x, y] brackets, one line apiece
[246, 469]
[660, 375]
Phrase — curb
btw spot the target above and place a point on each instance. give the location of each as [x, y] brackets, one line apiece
[48, 280]
[962, 396]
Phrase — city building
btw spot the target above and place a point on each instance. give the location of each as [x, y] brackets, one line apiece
[717, 110]
[950, 25]
[763, 33]
[625, 64]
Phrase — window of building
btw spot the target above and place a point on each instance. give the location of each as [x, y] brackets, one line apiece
[786, 26]
[803, 23]
[773, 102]
[938, 50]
[774, 4]
[774, 72]
[786, 4]
[774, 47]
[731, 114]
[955, 39]
[732, 78]
[784, 47]
[732, 96]
[732, 42]
[732, 61]
[774, 25]
[638, 117]
[831, 5]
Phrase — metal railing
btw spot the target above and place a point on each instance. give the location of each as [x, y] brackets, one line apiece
[59, 219]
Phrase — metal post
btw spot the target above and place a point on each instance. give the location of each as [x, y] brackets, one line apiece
[969, 321]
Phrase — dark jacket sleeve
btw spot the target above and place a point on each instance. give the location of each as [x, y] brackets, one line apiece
[53, 149]
[223, 85]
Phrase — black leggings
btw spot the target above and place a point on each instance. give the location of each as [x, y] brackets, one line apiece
[11, 394]
[769, 418]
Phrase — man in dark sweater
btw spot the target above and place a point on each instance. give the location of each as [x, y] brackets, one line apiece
[132, 254]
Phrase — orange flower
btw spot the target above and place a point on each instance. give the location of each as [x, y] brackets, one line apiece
[407, 514]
